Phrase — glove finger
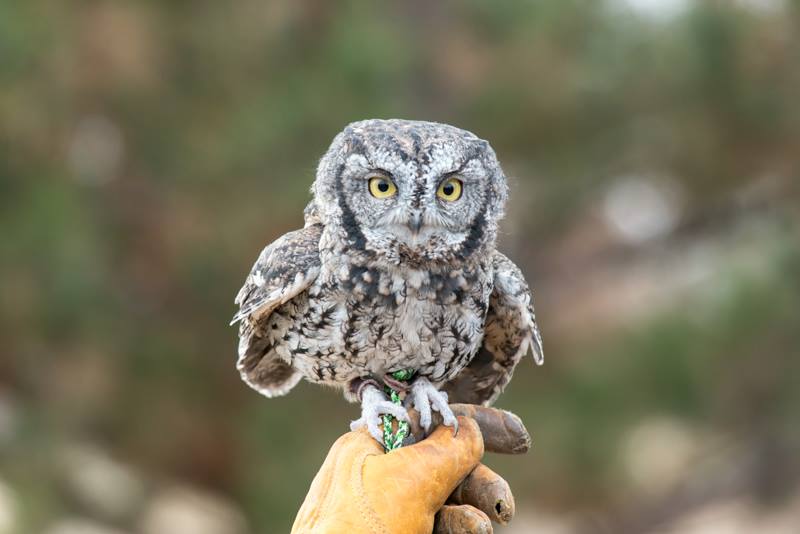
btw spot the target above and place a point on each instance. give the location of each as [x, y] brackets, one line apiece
[442, 460]
[503, 432]
[487, 491]
[461, 519]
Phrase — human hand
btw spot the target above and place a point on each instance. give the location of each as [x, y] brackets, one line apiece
[362, 489]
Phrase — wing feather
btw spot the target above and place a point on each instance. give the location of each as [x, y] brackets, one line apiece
[510, 331]
[283, 270]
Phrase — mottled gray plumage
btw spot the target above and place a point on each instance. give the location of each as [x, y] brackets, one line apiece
[372, 285]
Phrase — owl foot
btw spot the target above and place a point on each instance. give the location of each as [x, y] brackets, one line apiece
[374, 404]
[425, 398]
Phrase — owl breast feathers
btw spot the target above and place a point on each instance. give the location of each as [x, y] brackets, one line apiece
[395, 268]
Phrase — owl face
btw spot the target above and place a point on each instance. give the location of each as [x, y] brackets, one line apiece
[411, 191]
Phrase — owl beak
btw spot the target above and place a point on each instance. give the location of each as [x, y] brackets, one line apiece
[415, 222]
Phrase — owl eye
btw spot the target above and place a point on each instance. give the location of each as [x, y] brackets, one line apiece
[381, 187]
[450, 189]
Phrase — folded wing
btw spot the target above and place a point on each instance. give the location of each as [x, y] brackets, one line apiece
[509, 331]
[285, 268]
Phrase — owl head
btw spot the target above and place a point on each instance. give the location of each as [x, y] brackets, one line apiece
[411, 191]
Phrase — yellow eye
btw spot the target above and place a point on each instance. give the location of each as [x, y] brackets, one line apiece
[450, 190]
[381, 187]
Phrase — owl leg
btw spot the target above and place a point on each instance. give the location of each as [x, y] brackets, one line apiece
[425, 398]
[374, 404]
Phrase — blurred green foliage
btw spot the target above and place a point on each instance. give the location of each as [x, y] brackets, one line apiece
[151, 149]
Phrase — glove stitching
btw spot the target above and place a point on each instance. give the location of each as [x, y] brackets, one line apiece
[368, 514]
[312, 516]
[325, 491]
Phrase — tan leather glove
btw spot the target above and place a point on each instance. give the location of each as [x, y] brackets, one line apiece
[360, 489]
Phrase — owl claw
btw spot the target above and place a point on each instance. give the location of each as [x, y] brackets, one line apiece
[374, 404]
[426, 399]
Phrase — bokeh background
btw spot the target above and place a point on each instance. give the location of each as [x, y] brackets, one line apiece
[151, 149]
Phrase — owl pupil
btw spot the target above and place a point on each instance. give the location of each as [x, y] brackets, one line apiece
[383, 187]
[448, 189]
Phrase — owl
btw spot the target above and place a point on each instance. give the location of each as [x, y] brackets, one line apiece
[394, 270]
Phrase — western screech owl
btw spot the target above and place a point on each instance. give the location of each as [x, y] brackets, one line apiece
[395, 269]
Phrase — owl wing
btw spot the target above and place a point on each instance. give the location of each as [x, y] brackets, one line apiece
[283, 270]
[509, 330]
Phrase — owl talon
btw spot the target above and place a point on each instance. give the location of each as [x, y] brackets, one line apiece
[374, 404]
[426, 399]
